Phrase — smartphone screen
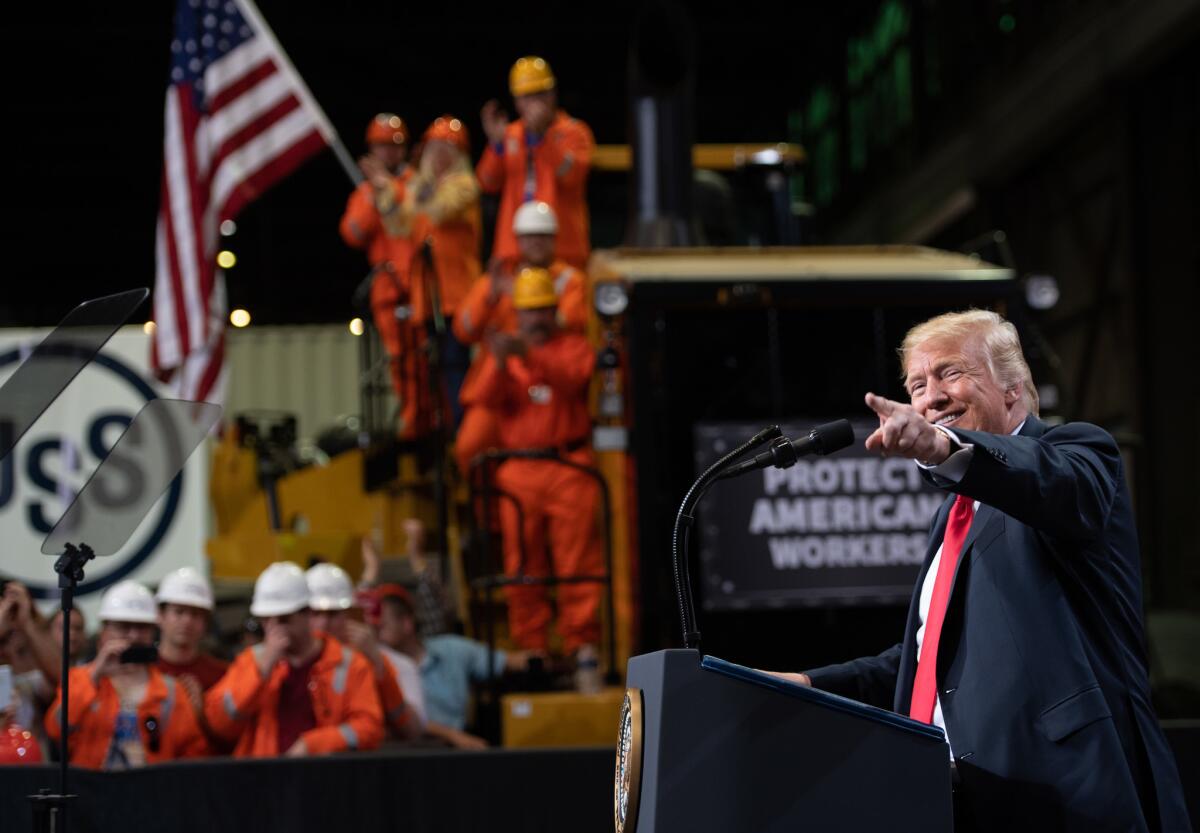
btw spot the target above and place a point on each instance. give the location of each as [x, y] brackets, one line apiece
[6, 686]
[139, 655]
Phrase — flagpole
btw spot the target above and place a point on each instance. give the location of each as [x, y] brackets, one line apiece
[324, 126]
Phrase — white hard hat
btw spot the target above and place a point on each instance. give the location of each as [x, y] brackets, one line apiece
[279, 590]
[185, 586]
[329, 588]
[535, 217]
[128, 601]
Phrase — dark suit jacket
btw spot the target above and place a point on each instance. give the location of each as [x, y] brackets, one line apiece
[1042, 670]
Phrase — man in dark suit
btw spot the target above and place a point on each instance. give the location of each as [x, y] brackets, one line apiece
[1025, 639]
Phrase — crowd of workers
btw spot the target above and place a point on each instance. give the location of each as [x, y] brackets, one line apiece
[492, 358]
[335, 667]
[495, 357]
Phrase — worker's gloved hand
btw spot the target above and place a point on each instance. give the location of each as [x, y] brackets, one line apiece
[500, 281]
[108, 659]
[375, 171]
[495, 121]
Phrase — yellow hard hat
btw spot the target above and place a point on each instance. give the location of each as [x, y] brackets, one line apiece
[530, 75]
[533, 289]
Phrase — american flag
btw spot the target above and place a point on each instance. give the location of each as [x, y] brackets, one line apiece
[238, 119]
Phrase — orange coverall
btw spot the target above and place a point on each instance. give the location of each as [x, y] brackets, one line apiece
[390, 256]
[362, 228]
[92, 719]
[448, 221]
[477, 316]
[243, 706]
[540, 400]
[556, 173]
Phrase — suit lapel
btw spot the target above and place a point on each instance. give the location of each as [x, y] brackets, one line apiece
[989, 522]
[986, 526]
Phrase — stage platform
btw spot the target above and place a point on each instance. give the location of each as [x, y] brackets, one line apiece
[406, 790]
[531, 791]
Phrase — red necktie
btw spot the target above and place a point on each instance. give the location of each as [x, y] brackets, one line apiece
[925, 685]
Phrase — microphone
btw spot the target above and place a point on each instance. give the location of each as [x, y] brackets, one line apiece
[824, 439]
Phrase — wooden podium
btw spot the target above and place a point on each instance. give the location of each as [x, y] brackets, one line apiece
[706, 745]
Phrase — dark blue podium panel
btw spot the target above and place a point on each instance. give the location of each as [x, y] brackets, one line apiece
[728, 748]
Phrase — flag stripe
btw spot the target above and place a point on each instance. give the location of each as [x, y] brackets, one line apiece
[242, 163]
[187, 255]
[163, 352]
[212, 370]
[189, 196]
[224, 125]
[272, 172]
[227, 70]
[263, 121]
[247, 81]
[170, 338]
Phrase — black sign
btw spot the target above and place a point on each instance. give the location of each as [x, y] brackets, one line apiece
[850, 528]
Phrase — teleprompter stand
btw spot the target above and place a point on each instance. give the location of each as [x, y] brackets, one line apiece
[155, 444]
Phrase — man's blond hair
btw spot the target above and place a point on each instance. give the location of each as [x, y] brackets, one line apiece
[1002, 347]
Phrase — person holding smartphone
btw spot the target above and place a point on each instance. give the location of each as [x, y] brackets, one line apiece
[124, 713]
[29, 659]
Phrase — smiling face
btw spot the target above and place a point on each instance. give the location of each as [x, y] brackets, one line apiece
[951, 383]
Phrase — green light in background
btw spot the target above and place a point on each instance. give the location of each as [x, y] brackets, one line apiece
[1007, 23]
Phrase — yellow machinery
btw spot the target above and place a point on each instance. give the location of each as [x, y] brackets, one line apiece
[325, 510]
[718, 157]
[560, 718]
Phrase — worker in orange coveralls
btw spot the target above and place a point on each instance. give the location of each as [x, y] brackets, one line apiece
[545, 155]
[331, 597]
[488, 308]
[298, 692]
[124, 713]
[440, 215]
[371, 212]
[536, 382]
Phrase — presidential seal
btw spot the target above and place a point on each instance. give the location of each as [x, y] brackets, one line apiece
[628, 777]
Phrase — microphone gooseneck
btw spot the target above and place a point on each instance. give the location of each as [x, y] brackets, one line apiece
[684, 519]
[824, 439]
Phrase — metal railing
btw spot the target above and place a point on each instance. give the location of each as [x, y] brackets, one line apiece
[484, 497]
